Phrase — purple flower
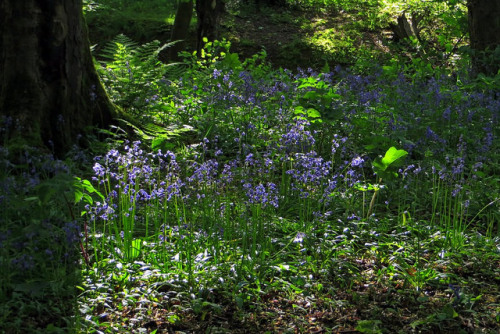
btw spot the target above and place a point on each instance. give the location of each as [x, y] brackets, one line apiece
[99, 169]
[309, 168]
[299, 238]
[23, 262]
[458, 166]
[249, 159]
[447, 113]
[298, 138]
[216, 73]
[456, 190]
[357, 162]
[260, 194]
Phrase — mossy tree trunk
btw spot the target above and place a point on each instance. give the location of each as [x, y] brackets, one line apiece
[484, 31]
[208, 13]
[48, 83]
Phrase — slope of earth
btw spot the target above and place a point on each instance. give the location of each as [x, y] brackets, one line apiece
[290, 37]
[294, 38]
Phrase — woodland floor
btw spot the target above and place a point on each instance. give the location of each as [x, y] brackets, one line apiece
[287, 37]
[371, 303]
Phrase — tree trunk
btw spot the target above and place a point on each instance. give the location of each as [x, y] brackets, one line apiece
[484, 31]
[208, 12]
[180, 31]
[48, 83]
[407, 28]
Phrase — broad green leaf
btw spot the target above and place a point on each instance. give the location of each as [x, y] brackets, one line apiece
[78, 195]
[386, 167]
[311, 95]
[392, 155]
[298, 110]
[311, 112]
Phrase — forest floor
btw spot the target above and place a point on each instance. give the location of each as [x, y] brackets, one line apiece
[356, 297]
[361, 294]
[291, 38]
[294, 38]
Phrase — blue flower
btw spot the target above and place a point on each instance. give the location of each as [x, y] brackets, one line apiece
[299, 238]
[298, 138]
[261, 194]
[357, 162]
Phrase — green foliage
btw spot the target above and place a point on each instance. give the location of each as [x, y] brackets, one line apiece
[39, 247]
[385, 167]
[339, 46]
[369, 326]
[144, 20]
[89, 6]
[289, 199]
[133, 75]
[218, 218]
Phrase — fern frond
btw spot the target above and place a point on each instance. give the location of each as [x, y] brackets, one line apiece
[110, 50]
[132, 73]
[147, 51]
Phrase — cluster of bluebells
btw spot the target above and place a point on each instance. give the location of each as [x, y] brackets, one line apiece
[35, 237]
[309, 173]
[425, 112]
[265, 139]
[262, 194]
[261, 167]
[298, 138]
[139, 176]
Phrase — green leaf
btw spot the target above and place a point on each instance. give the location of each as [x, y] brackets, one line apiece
[386, 166]
[299, 110]
[135, 251]
[369, 326]
[313, 113]
[158, 143]
[448, 312]
[392, 158]
[78, 195]
[392, 155]
[311, 95]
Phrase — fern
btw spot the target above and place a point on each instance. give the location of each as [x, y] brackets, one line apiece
[133, 74]
[159, 137]
[118, 49]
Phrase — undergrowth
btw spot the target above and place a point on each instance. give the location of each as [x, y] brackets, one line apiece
[241, 198]
[294, 186]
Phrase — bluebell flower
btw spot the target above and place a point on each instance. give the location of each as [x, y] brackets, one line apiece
[260, 194]
[357, 162]
[447, 113]
[299, 238]
[249, 159]
[456, 190]
[216, 73]
[24, 262]
[477, 166]
[458, 166]
[297, 139]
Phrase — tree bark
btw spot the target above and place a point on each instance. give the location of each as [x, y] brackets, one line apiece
[48, 83]
[180, 31]
[208, 13]
[484, 32]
